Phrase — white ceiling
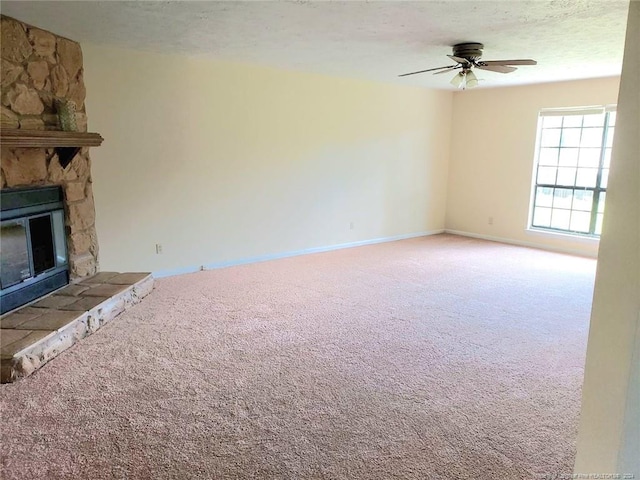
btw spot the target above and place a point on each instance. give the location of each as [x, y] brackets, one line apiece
[570, 39]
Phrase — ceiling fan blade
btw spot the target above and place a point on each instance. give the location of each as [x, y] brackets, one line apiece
[450, 69]
[510, 62]
[428, 70]
[461, 60]
[497, 68]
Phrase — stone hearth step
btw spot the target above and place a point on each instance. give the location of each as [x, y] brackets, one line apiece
[34, 334]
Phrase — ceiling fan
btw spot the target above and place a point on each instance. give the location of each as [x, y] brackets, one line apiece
[467, 56]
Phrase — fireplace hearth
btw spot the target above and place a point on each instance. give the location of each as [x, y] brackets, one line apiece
[33, 250]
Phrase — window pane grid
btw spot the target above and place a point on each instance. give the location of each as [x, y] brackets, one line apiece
[572, 171]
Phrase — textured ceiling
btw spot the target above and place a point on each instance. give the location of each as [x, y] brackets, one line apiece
[570, 39]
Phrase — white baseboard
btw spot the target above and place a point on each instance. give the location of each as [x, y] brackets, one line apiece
[510, 241]
[294, 253]
[171, 272]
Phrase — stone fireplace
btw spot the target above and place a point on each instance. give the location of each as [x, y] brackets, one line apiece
[39, 68]
[47, 213]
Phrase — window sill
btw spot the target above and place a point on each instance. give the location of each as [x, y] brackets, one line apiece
[570, 237]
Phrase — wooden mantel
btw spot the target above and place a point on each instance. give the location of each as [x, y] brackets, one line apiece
[48, 138]
[66, 144]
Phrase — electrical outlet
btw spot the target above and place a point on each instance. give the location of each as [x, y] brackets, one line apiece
[490, 220]
[352, 225]
[159, 248]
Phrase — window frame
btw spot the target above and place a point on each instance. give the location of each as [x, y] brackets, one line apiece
[608, 128]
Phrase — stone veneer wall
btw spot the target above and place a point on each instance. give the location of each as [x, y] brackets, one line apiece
[37, 67]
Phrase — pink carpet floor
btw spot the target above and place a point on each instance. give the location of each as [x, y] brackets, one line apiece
[433, 358]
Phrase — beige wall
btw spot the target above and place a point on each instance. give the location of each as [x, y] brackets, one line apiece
[222, 162]
[492, 152]
[609, 435]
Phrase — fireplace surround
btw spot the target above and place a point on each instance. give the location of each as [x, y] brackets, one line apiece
[33, 250]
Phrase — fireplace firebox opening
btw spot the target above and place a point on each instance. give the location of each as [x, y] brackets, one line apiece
[33, 250]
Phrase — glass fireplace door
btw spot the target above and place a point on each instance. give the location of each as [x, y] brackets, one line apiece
[14, 252]
[33, 250]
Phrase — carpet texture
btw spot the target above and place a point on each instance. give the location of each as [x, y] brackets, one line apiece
[433, 358]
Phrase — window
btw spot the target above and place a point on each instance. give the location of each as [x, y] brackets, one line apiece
[571, 170]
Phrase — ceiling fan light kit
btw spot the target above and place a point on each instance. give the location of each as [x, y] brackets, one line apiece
[457, 80]
[467, 56]
[465, 79]
[471, 80]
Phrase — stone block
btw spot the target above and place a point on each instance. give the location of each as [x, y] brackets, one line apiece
[44, 43]
[80, 242]
[70, 56]
[31, 311]
[32, 156]
[73, 290]
[105, 290]
[102, 277]
[93, 323]
[143, 287]
[9, 119]
[38, 71]
[77, 93]
[50, 320]
[48, 98]
[74, 191]
[57, 174]
[84, 304]
[24, 166]
[127, 278]
[15, 45]
[54, 302]
[26, 340]
[113, 308]
[55, 170]
[50, 119]
[24, 100]
[80, 164]
[89, 189]
[81, 122]
[25, 366]
[82, 265]
[31, 123]
[17, 318]
[59, 81]
[10, 73]
[81, 215]
[7, 372]
[95, 248]
[7, 337]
